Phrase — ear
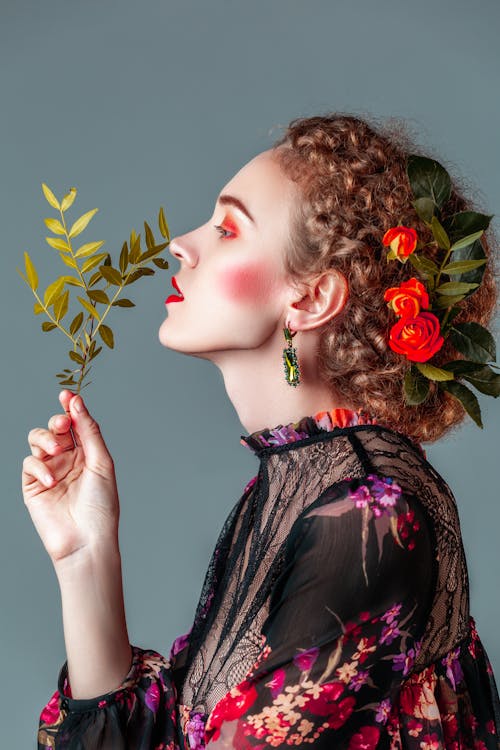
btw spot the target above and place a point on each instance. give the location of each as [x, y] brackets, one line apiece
[317, 301]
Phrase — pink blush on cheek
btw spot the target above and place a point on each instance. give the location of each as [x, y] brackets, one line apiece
[247, 284]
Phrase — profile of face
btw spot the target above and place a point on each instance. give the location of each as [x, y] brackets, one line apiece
[232, 276]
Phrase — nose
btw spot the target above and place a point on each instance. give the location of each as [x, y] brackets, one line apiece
[183, 249]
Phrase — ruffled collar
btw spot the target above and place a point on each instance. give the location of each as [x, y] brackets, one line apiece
[319, 423]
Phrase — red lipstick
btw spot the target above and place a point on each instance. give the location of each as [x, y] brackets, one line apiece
[174, 297]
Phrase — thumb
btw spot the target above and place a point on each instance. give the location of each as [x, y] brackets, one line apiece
[88, 434]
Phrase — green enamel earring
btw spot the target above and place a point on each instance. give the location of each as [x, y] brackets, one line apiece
[290, 363]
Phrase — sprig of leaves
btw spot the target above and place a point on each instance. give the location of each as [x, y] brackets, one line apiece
[133, 264]
[458, 234]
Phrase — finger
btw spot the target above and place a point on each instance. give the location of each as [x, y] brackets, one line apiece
[59, 424]
[88, 433]
[34, 469]
[65, 397]
[44, 444]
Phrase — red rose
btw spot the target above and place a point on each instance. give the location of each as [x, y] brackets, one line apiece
[365, 739]
[402, 240]
[418, 338]
[327, 704]
[408, 298]
[230, 707]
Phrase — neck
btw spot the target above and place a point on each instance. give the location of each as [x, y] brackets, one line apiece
[255, 383]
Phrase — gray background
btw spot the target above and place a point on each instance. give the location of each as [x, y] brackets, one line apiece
[160, 103]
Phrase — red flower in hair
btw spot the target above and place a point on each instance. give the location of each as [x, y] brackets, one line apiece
[418, 338]
[408, 298]
[402, 241]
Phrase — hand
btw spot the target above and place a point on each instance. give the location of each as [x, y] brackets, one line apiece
[80, 506]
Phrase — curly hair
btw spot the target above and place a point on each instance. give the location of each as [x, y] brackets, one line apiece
[351, 172]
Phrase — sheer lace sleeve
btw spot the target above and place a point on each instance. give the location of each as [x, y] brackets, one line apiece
[344, 625]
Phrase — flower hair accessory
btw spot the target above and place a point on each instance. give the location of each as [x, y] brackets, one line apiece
[426, 306]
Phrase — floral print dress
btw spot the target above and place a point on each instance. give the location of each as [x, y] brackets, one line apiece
[363, 645]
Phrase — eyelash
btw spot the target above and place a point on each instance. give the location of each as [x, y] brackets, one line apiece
[221, 230]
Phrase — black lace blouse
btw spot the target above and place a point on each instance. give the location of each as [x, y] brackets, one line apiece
[334, 614]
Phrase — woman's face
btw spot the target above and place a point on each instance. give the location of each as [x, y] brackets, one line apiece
[232, 277]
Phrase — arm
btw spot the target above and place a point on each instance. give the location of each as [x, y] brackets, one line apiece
[95, 630]
[108, 692]
[342, 633]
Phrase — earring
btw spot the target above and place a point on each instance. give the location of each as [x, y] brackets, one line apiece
[290, 362]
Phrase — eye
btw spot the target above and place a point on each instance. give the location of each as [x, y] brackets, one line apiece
[222, 230]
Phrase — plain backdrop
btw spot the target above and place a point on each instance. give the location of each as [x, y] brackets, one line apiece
[160, 103]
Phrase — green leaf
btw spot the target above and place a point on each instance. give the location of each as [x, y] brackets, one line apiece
[466, 241]
[451, 288]
[76, 323]
[55, 226]
[485, 380]
[93, 262]
[90, 308]
[98, 295]
[425, 265]
[155, 250]
[439, 233]
[465, 223]
[463, 366]
[95, 353]
[434, 373]
[162, 223]
[97, 276]
[135, 249]
[82, 222]
[466, 397]
[49, 195]
[21, 274]
[123, 303]
[61, 306]
[73, 281]
[48, 326]
[150, 240]
[124, 258]
[161, 263]
[473, 341]
[428, 179]
[111, 275]
[31, 272]
[471, 252]
[445, 301]
[77, 357]
[138, 273]
[37, 308]
[68, 199]
[69, 261]
[58, 244]
[415, 387]
[462, 266]
[53, 291]
[106, 335]
[424, 208]
[88, 249]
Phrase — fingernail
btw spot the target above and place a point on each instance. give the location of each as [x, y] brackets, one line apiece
[78, 404]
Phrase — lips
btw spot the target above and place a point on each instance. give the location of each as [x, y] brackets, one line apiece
[176, 286]
[173, 297]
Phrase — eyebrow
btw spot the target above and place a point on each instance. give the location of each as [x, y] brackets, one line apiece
[231, 200]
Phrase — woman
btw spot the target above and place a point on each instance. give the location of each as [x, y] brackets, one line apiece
[335, 608]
